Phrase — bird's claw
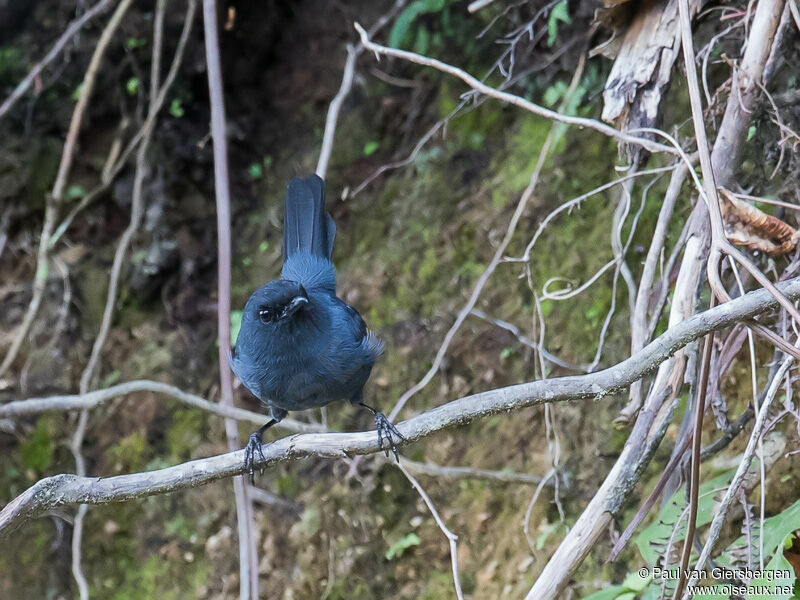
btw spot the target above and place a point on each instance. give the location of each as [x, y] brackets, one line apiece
[386, 429]
[252, 450]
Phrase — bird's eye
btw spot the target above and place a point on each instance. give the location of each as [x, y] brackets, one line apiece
[266, 315]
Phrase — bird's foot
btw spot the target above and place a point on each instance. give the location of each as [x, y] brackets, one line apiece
[251, 451]
[387, 430]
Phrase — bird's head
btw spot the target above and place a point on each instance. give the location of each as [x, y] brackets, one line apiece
[275, 303]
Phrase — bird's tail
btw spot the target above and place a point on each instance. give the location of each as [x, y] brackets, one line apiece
[307, 226]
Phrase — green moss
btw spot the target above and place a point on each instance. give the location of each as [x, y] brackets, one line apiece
[159, 578]
[37, 449]
[352, 588]
[439, 585]
[130, 454]
[185, 432]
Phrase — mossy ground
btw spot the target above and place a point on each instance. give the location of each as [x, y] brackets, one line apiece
[410, 249]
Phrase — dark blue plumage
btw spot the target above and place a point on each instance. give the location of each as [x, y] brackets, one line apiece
[299, 345]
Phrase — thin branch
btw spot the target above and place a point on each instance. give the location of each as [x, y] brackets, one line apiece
[725, 159]
[448, 472]
[452, 538]
[497, 258]
[694, 479]
[721, 511]
[795, 12]
[60, 490]
[55, 201]
[482, 88]
[334, 108]
[73, 28]
[33, 406]
[526, 341]
[332, 118]
[720, 243]
[248, 562]
[639, 330]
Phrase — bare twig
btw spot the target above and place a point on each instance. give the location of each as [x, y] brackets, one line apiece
[447, 472]
[334, 108]
[452, 538]
[795, 12]
[569, 205]
[353, 52]
[76, 444]
[60, 490]
[694, 479]
[248, 562]
[720, 243]
[482, 88]
[497, 258]
[73, 28]
[721, 511]
[724, 158]
[33, 406]
[639, 330]
[526, 341]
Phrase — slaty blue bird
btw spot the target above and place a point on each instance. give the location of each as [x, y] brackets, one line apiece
[299, 345]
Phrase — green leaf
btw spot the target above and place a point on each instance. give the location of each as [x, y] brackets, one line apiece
[423, 41]
[751, 132]
[610, 593]
[310, 521]
[635, 582]
[255, 171]
[554, 93]
[132, 43]
[263, 246]
[402, 25]
[74, 192]
[547, 530]
[132, 85]
[780, 584]
[775, 531]
[176, 108]
[559, 13]
[401, 545]
[371, 147]
[236, 325]
[76, 94]
[111, 378]
[658, 533]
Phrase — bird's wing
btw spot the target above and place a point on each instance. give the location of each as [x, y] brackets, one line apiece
[367, 340]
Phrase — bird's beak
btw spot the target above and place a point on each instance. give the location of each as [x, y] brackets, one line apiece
[295, 305]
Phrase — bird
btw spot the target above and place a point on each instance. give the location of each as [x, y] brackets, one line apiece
[299, 345]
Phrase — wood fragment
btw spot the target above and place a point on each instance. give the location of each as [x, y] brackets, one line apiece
[645, 43]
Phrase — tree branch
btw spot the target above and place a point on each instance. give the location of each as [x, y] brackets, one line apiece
[71, 489]
[248, 560]
[32, 406]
